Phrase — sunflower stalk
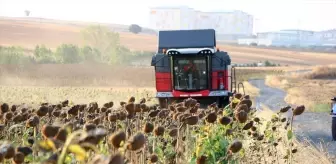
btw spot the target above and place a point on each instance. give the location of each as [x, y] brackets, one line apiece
[67, 144]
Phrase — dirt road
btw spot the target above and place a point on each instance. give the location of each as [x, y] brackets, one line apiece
[315, 127]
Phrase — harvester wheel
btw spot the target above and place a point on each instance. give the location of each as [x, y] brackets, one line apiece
[222, 101]
[163, 102]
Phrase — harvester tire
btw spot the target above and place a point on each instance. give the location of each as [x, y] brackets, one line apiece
[163, 102]
[333, 128]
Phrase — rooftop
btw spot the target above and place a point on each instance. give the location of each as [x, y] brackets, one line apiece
[172, 7]
[278, 32]
[227, 11]
[295, 31]
[212, 11]
[331, 30]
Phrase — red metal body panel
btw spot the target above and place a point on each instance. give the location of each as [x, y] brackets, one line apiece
[226, 80]
[163, 81]
[216, 80]
[191, 94]
[164, 84]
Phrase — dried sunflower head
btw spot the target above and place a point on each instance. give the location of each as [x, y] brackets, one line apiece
[191, 120]
[298, 110]
[225, 120]
[117, 138]
[211, 117]
[148, 128]
[235, 146]
[136, 142]
[241, 116]
[159, 131]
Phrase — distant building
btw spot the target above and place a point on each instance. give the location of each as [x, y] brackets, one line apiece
[255, 42]
[327, 37]
[260, 64]
[293, 38]
[225, 23]
[290, 38]
[173, 18]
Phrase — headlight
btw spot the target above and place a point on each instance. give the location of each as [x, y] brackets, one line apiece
[218, 93]
[164, 94]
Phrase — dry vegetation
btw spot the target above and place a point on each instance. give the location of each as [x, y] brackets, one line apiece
[322, 72]
[97, 75]
[82, 83]
[308, 152]
[314, 89]
[32, 86]
[134, 132]
[28, 34]
[251, 90]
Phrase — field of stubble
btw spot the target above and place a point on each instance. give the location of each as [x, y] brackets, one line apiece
[80, 83]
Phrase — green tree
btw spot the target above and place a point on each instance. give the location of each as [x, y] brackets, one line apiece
[134, 28]
[126, 54]
[68, 53]
[44, 55]
[268, 63]
[90, 54]
[27, 13]
[105, 40]
[14, 55]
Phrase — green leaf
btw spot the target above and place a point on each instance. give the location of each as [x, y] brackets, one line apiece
[213, 156]
[158, 151]
[289, 134]
[242, 153]
[193, 160]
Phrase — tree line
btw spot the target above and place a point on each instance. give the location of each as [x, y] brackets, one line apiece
[102, 45]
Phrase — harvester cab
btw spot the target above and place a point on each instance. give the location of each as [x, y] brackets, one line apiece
[188, 64]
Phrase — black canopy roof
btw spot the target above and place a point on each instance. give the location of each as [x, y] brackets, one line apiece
[187, 39]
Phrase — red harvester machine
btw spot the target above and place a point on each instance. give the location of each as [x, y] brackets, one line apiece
[188, 64]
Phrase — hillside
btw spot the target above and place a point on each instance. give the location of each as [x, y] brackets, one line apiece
[30, 32]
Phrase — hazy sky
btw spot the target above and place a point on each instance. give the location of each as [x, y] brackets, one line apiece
[269, 14]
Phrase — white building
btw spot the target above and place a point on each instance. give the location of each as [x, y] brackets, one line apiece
[176, 18]
[327, 37]
[173, 18]
[255, 41]
[300, 38]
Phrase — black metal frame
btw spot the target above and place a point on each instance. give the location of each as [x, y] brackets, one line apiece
[191, 56]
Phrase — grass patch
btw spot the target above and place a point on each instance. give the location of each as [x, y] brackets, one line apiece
[244, 74]
[321, 108]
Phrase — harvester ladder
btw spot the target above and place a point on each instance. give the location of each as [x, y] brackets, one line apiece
[233, 79]
[242, 85]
